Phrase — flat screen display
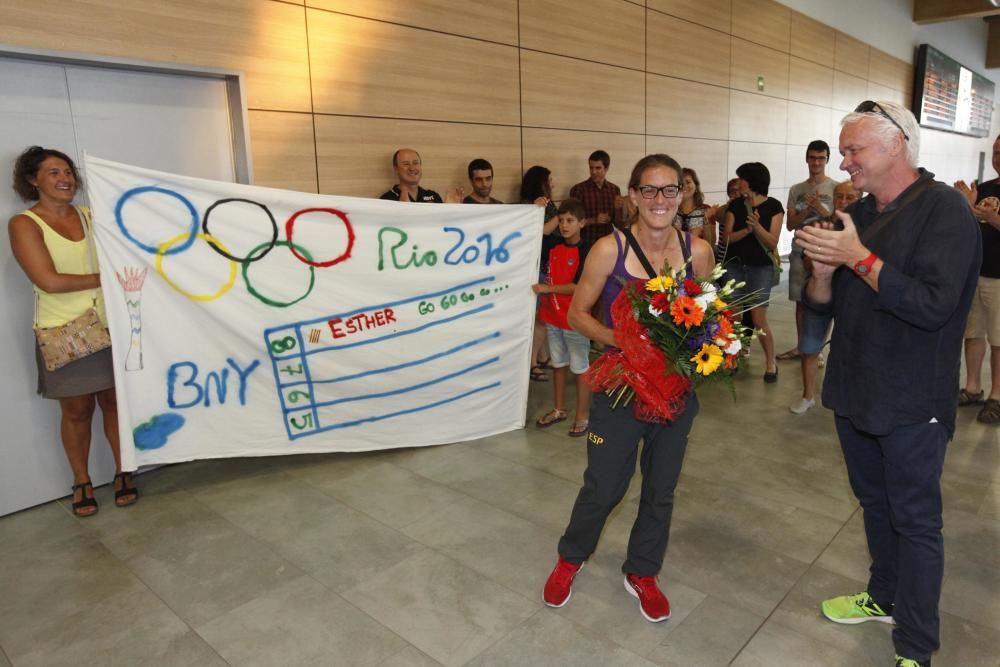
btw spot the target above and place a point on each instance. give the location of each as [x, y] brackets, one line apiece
[948, 96]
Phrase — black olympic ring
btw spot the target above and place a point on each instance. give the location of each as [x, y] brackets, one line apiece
[250, 257]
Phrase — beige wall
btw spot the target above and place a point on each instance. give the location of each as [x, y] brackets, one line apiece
[334, 86]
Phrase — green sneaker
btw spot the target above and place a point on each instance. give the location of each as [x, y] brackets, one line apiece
[851, 609]
[906, 662]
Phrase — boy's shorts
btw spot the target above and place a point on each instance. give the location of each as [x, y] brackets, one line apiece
[568, 348]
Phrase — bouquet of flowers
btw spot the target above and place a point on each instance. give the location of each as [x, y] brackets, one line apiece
[673, 333]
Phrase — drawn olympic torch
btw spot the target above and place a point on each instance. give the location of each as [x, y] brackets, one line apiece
[131, 282]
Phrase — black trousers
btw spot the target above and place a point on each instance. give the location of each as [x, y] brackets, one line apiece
[612, 450]
[897, 479]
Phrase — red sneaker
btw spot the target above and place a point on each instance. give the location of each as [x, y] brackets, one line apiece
[652, 602]
[559, 586]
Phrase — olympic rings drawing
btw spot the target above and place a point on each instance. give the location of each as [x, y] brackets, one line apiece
[267, 300]
[250, 256]
[153, 250]
[164, 250]
[290, 226]
[182, 242]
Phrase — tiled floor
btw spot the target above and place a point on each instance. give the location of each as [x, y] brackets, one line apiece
[437, 556]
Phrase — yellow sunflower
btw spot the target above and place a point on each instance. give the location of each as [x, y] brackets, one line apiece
[708, 359]
[659, 284]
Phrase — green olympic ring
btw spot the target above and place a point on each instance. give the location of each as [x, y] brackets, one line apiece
[266, 300]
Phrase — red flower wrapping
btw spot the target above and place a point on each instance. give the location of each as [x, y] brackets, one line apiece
[660, 396]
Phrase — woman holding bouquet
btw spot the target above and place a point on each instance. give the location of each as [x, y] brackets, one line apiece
[615, 431]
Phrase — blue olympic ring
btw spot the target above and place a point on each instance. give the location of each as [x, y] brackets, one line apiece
[152, 249]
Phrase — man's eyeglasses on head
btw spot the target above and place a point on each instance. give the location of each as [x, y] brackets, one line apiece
[649, 191]
[868, 106]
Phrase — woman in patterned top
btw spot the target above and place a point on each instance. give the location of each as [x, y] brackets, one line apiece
[692, 213]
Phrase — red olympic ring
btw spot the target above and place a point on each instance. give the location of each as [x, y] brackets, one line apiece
[290, 225]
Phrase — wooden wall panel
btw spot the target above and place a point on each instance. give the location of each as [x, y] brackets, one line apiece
[835, 117]
[284, 150]
[796, 169]
[879, 92]
[559, 92]
[812, 40]
[757, 118]
[709, 158]
[807, 122]
[809, 82]
[851, 55]
[448, 78]
[373, 68]
[763, 22]
[264, 39]
[848, 91]
[565, 154]
[606, 31]
[686, 109]
[750, 61]
[355, 154]
[717, 14]
[495, 21]
[886, 70]
[685, 50]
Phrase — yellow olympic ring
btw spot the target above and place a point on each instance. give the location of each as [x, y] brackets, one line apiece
[166, 245]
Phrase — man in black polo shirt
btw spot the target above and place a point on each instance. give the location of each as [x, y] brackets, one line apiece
[984, 318]
[899, 278]
[406, 162]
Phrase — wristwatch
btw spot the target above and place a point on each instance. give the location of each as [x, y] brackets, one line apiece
[864, 267]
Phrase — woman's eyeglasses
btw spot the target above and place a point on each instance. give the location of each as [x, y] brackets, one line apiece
[649, 191]
[868, 106]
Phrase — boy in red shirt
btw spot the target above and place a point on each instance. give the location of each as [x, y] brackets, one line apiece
[567, 347]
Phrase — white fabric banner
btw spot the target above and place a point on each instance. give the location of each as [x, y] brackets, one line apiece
[249, 321]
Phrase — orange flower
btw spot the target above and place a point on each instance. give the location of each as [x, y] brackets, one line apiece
[731, 360]
[686, 312]
[725, 327]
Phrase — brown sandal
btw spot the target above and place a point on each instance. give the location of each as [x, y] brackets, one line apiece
[990, 414]
[967, 398]
[579, 429]
[550, 418]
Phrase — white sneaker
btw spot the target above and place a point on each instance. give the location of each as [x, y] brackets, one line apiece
[801, 406]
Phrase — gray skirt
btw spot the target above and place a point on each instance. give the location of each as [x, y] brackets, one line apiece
[85, 376]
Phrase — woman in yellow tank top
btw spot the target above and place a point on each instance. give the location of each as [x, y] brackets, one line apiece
[50, 242]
